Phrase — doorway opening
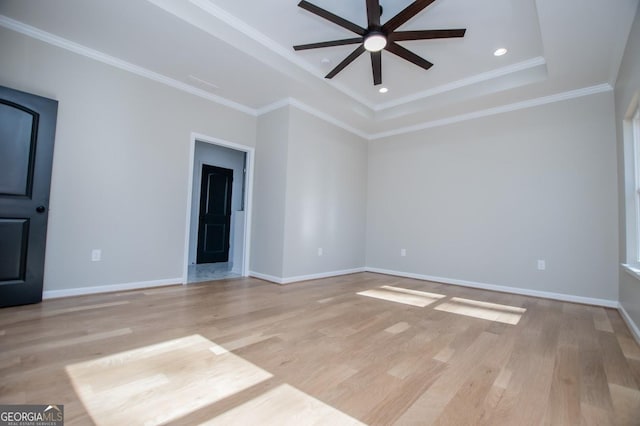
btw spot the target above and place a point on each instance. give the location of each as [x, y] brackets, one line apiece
[219, 210]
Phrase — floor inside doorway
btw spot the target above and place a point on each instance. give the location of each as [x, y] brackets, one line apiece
[211, 271]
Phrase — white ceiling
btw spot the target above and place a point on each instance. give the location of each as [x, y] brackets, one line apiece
[241, 51]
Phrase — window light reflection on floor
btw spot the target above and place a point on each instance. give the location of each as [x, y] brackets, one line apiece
[483, 310]
[403, 295]
[473, 308]
[159, 383]
[166, 382]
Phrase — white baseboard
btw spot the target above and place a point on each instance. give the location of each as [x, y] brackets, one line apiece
[289, 280]
[55, 294]
[515, 290]
[266, 277]
[635, 331]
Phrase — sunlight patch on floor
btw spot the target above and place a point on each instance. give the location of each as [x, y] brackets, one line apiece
[403, 295]
[483, 310]
[162, 382]
[283, 405]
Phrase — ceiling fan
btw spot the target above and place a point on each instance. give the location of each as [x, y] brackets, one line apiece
[377, 37]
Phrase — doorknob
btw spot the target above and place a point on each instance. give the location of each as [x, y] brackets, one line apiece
[40, 209]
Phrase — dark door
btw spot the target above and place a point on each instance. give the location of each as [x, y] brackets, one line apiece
[215, 215]
[27, 132]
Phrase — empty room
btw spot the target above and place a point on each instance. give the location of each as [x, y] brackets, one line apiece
[323, 212]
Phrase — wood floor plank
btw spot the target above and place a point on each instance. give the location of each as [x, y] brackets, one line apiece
[477, 388]
[615, 364]
[564, 399]
[626, 402]
[244, 351]
[431, 404]
[601, 320]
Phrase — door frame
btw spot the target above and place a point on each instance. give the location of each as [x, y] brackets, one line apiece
[248, 197]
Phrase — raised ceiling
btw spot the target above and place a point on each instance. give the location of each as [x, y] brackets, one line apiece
[241, 51]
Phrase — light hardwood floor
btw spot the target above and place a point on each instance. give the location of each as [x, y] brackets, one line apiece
[357, 349]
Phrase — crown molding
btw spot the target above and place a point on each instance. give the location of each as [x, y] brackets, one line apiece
[274, 106]
[313, 111]
[558, 97]
[478, 78]
[328, 118]
[79, 49]
[259, 37]
[246, 29]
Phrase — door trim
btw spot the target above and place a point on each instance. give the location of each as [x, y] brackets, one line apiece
[248, 197]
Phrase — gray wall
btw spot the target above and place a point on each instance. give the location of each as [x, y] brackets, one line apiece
[220, 156]
[309, 193]
[270, 179]
[325, 198]
[483, 200]
[121, 164]
[627, 85]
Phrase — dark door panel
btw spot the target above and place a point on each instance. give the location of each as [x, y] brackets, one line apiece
[215, 215]
[16, 150]
[14, 234]
[27, 133]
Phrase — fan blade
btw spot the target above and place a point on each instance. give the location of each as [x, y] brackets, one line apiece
[373, 13]
[396, 49]
[352, 57]
[376, 65]
[426, 34]
[331, 17]
[409, 12]
[328, 43]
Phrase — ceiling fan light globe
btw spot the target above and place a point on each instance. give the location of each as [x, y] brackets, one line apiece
[375, 42]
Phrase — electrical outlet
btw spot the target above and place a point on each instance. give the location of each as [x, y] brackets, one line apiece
[403, 252]
[96, 255]
[542, 265]
[320, 251]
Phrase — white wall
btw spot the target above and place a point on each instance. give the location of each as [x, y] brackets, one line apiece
[627, 85]
[483, 200]
[310, 193]
[220, 156]
[121, 164]
[326, 198]
[267, 238]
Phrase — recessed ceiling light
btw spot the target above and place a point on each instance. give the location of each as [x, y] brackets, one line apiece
[325, 61]
[500, 52]
[383, 90]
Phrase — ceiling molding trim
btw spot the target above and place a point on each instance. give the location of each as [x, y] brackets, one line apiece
[313, 111]
[274, 106]
[252, 33]
[245, 29]
[79, 49]
[558, 97]
[326, 117]
[478, 78]
[259, 37]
